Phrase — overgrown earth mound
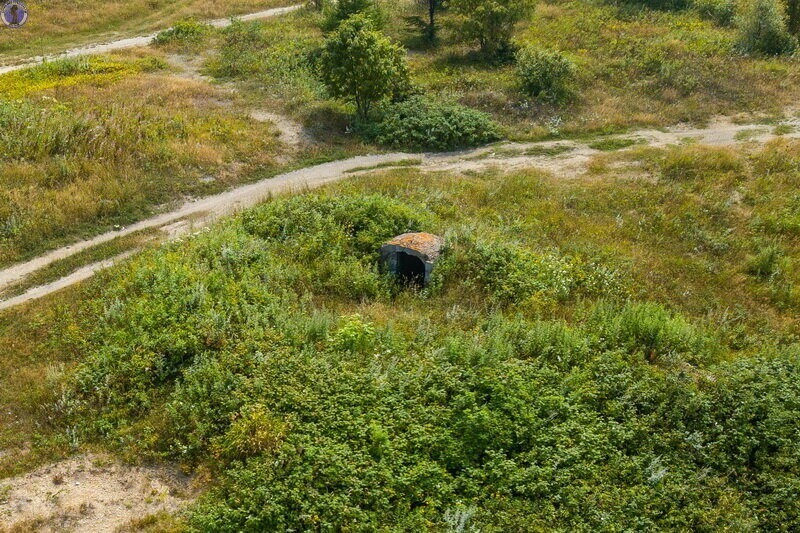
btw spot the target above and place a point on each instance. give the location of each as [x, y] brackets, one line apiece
[273, 353]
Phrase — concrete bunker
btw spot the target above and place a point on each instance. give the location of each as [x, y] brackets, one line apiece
[411, 257]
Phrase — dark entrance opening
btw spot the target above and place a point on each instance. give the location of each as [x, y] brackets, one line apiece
[410, 269]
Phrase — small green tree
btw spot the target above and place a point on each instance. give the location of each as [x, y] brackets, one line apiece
[490, 22]
[361, 65]
[428, 24]
[762, 29]
[793, 12]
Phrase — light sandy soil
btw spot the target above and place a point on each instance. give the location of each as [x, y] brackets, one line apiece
[292, 133]
[143, 40]
[89, 494]
[197, 214]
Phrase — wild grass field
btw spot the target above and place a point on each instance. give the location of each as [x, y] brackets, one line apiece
[54, 25]
[604, 350]
[636, 68]
[94, 143]
[591, 354]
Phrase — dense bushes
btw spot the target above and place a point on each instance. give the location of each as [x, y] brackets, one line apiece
[723, 12]
[424, 124]
[239, 350]
[184, 31]
[337, 12]
[512, 275]
[545, 74]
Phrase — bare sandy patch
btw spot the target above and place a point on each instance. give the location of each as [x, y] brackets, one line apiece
[89, 493]
[291, 132]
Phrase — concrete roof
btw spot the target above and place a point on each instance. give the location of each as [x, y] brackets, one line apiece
[426, 244]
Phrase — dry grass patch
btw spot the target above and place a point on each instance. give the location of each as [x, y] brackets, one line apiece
[85, 155]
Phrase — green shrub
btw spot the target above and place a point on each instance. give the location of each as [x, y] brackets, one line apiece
[490, 23]
[666, 5]
[545, 74]
[762, 29]
[766, 262]
[423, 124]
[722, 12]
[512, 275]
[651, 330]
[188, 31]
[337, 12]
[241, 50]
[283, 67]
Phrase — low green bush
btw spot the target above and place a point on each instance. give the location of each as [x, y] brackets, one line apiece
[186, 31]
[421, 123]
[511, 275]
[651, 330]
[667, 5]
[766, 262]
[722, 12]
[334, 13]
[545, 74]
[241, 53]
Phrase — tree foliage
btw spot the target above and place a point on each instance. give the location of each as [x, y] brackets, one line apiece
[490, 23]
[338, 12]
[762, 29]
[360, 65]
[793, 14]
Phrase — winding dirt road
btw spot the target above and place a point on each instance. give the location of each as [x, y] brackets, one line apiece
[194, 215]
[143, 40]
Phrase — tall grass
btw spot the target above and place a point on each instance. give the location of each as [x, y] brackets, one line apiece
[89, 151]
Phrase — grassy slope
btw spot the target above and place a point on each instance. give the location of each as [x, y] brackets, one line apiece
[101, 142]
[55, 25]
[637, 68]
[653, 69]
[244, 344]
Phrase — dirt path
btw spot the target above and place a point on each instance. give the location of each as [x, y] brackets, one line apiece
[88, 493]
[143, 40]
[197, 214]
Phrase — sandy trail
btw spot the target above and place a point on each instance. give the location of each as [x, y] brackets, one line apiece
[200, 213]
[142, 40]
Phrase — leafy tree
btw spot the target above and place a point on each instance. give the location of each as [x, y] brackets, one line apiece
[793, 12]
[762, 29]
[491, 22]
[361, 65]
[428, 27]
